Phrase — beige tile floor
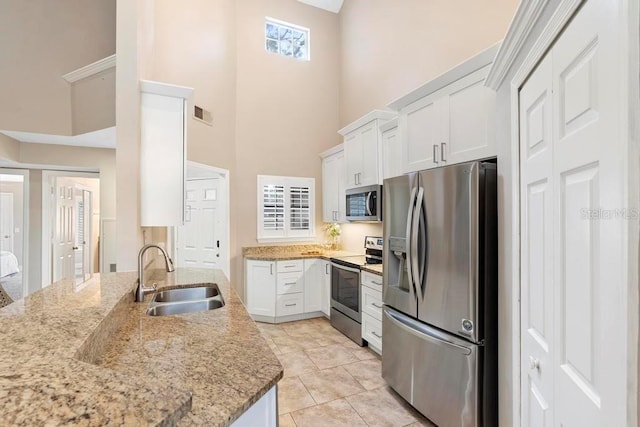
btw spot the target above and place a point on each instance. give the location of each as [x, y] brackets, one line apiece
[330, 381]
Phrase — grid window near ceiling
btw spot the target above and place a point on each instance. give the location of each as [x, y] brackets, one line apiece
[287, 39]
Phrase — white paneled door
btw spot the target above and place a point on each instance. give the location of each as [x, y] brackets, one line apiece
[64, 231]
[201, 239]
[573, 354]
[6, 222]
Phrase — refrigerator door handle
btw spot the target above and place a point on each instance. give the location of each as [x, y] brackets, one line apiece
[414, 263]
[410, 210]
[424, 332]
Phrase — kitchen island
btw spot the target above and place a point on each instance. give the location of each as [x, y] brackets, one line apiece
[89, 355]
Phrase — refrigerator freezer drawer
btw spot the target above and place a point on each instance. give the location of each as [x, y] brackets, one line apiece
[436, 372]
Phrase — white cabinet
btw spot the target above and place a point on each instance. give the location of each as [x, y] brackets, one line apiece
[261, 287]
[163, 139]
[313, 281]
[371, 303]
[279, 291]
[391, 149]
[326, 288]
[333, 185]
[363, 149]
[450, 119]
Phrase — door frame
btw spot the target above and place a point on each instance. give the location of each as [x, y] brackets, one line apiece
[202, 171]
[563, 13]
[26, 195]
[48, 209]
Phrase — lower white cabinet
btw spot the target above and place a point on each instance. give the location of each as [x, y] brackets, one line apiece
[277, 290]
[313, 276]
[371, 303]
[261, 287]
[326, 288]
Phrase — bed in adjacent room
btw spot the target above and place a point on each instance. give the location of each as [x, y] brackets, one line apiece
[8, 264]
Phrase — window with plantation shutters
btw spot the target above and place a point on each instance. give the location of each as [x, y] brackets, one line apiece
[286, 208]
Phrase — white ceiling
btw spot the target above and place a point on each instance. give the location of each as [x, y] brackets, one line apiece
[330, 5]
[103, 138]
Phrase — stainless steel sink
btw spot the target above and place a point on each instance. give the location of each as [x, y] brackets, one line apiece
[185, 300]
[187, 294]
[184, 307]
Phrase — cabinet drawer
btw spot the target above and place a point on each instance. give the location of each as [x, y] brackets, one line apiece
[373, 281]
[290, 304]
[289, 283]
[290, 266]
[372, 302]
[372, 331]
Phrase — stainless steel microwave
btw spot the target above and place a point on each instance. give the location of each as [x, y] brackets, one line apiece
[364, 203]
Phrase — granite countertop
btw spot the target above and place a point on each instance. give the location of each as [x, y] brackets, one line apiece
[287, 252]
[89, 355]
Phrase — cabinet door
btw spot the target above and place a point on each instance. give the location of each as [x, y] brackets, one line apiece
[313, 285]
[261, 287]
[162, 148]
[369, 174]
[391, 154]
[421, 134]
[469, 119]
[333, 198]
[326, 288]
[353, 158]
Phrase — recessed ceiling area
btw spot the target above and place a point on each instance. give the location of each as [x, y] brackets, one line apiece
[103, 138]
[330, 5]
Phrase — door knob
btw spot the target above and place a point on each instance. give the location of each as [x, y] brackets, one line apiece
[534, 363]
[75, 248]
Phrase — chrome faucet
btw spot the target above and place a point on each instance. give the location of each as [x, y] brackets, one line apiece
[141, 289]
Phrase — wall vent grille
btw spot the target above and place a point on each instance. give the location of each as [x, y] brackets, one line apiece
[202, 115]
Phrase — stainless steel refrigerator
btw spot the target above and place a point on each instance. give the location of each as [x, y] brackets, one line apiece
[439, 323]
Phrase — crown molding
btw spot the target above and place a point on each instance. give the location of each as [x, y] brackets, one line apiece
[91, 69]
[367, 118]
[521, 25]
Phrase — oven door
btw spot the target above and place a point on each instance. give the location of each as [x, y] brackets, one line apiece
[345, 290]
[364, 204]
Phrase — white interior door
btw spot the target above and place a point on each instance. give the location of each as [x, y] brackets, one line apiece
[536, 202]
[64, 238]
[6, 222]
[82, 232]
[201, 240]
[574, 347]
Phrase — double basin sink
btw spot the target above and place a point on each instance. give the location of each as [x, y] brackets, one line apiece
[185, 300]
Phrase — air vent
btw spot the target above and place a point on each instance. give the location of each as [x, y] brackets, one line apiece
[202, 115]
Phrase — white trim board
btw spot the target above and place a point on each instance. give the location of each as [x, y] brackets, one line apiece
[367, 118]
[519, 30]
[333, 150]
[91, 69]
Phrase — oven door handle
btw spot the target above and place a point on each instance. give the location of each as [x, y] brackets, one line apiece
[344, 267]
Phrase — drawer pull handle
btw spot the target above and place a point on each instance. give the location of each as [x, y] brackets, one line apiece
[376, 283]
[290, 283]
[376, 305]
[289, 266]
[290, 305]
[376, 335]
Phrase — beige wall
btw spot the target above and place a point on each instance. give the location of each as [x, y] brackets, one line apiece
[93, 102]
[391, 47]
[287, 110]
[43, 40]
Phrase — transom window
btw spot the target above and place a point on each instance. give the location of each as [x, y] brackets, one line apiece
[286, 39]
[285, 208]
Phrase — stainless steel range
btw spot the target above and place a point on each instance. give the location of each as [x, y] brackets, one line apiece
[345, 288]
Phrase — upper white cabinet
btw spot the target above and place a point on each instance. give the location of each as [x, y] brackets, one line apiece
[163, 148]
[449, 119]
[363, 149]
[391, 149]
[333, 178]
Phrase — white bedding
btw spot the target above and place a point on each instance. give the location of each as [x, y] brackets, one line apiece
[8, 264]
